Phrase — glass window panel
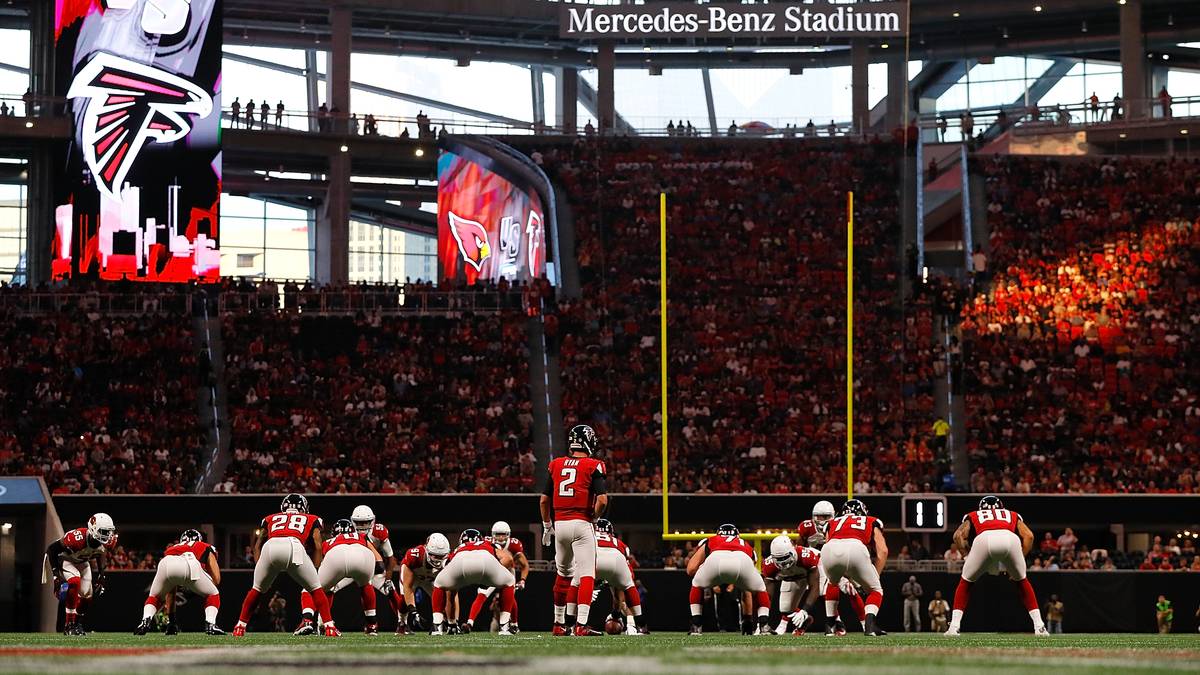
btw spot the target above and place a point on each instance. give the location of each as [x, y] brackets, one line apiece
[550, 96]
[281, 264]
[499, 88]
[241, 232]
[1069, 90]
[240, 206]
[242, 262]
[246, 82]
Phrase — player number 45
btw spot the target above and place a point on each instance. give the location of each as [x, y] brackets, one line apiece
[568, 479]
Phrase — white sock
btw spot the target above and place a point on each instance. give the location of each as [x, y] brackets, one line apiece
[831, 609]
[697, 610]
[637, 610]
[581, 616]
[369, 613]
[438, 618]
[764, 611]
[560, 614]
[871, 609]
[1036, 615]
[210, 614]
[505, 618]
[148, 611]
[572, 608]
[956, 619]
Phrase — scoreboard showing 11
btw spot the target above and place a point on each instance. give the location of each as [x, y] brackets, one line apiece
[924, 514]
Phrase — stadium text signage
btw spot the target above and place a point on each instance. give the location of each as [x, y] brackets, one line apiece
[679, 19]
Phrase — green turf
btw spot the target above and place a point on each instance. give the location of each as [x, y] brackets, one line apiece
[923, 654]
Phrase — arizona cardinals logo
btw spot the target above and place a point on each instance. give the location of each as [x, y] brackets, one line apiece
[472, 240]
[128, 104]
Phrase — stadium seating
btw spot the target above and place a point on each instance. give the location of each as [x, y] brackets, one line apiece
[757, 289]
[1080, 356]
[100, 402]
[398, 404]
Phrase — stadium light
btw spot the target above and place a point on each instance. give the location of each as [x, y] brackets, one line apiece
[345, 148]
[29, 124]
[6, 528]
[1037, 8]
[1183, 131]
[1120, 2]
[956, 15]
[420, 152]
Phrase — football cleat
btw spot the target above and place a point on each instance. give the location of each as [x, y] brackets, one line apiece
[306, 628]
[171, 629]
[798, 632]
[514, 628]
[764, 629]
[506, 629]
[332, 631]
[239, 630]
[560, 630]
[870, 627]
[402, 628]
[74, 629]
[142, 628]
[695, 630]
[213, 629]
[452, 629]
[835, 629]
[952, 632]
[1040, 631]
[437, 630]
[371, 628]
[584, 630]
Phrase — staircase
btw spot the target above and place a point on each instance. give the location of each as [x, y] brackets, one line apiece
[211, 396]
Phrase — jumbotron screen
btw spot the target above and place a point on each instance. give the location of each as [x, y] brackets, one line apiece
[488, 226]
[139, 193]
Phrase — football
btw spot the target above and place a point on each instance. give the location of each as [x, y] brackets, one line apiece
[613, 627]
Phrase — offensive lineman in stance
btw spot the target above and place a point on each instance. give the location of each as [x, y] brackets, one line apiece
[998, 540]
[475, 562]
[190, 564]
[575, 496]
[280, 547]
[725, 558]
[847, 555]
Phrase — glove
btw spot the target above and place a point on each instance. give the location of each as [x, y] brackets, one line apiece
[388, 587]
[416, 622]
[547, 534]
[800, 619]
[520, 585]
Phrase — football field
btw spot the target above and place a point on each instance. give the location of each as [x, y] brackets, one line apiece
[726, 654]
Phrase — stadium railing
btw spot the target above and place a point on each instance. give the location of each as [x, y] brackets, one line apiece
[1042, 119]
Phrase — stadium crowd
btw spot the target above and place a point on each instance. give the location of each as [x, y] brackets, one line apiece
[98, 403]
[757, 271]
[1080, 357]
[367, 404]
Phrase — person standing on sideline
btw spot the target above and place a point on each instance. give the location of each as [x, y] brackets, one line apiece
[1164, 614]
[912, 592]
[939, 611]
[1054, 614]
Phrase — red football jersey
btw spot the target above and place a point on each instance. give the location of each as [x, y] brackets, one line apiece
[806, 559]
[418, 563]
[79, 546]
[484, 545]
[720, 542]
[355, 539]
[199, 549]
[514, 545]
[378, 536]
[571, 486]
[861, 528]
[992, 519]
[813, 534]
[606, 540]
[297, 525]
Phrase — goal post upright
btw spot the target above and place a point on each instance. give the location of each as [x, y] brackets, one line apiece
[662, 313]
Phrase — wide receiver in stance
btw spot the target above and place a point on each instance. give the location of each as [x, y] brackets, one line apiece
[575, 496]
[725, 558]
[280, 546]
[795, 567]
[847, 555]
[69, 561]
[998, 541]
[190, 564]
[474, 562]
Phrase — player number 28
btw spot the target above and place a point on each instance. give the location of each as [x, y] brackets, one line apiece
[568, 479]
[283, 521]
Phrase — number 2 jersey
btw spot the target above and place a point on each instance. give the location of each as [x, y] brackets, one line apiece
[987, 520]
[574, 484]
[861, 528]
[296, 525]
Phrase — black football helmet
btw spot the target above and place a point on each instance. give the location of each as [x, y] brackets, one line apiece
[294, 503]
[728, 530]
[604, 525]
[191, 536]
[344, 526]
[854, 507]
[470, 535]
[581, 438]
[990, 502]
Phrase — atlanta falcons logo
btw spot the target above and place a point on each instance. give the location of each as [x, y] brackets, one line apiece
[129, 104]
[472, 240]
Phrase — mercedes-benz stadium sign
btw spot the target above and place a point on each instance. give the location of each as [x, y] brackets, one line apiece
[689, 20]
